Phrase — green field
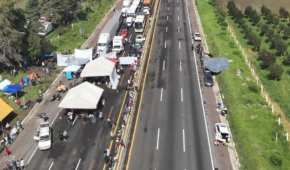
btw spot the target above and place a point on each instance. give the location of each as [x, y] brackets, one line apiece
[272, 4]
[66, 39]
[253, 125]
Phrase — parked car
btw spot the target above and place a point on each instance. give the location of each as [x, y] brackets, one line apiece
[139, 39]
[197, 36]
[43, 136]
[222, 132]
[124, 33]
[208, 80]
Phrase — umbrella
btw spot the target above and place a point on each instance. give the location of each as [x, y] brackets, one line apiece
[216, 65]
[12, 88]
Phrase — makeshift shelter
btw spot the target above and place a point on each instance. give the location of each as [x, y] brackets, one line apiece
[80, 57]
[4, 83]
[84, 54]
[5, 109]
[70, 70]
[101, 67]
[216, 64]
[12, 88]
[83, 96]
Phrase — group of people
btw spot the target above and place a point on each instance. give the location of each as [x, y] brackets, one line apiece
[10, 133]
[16, 165]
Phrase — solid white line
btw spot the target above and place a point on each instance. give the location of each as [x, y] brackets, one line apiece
[163, 66]
[161, 93]
[33, 153]
[78, 164]
[201, 97]
[50, 166]
[157, 143]
[179, 44]
[180, 66]
[166, 29]
[181, 94]
[183, 139]
[165, 44]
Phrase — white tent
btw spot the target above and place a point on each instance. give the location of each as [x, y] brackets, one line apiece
[4, 83]
[84, 53]
[101, 67]
[70, 59]
[83, 96]
[72, 68]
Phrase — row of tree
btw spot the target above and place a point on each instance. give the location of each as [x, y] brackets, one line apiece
[20, 45]
[265, 27]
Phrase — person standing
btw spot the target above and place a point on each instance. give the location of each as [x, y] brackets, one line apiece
[22, 164]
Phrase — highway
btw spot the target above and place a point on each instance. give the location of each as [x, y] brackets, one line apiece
[171, 133]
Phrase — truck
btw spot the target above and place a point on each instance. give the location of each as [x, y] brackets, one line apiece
[118, 44]
[108, 32]
[139, 23]
[126, 3]
[133, 8]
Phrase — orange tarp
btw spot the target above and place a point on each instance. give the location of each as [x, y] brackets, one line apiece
[5, 109]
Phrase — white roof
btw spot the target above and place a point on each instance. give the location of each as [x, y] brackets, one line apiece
[83, 96]
[84, 53]
[223, 128]
[4, 83]
[127, 60]
[140, 18]
[104, 38]
[99, 67]
[72, 68]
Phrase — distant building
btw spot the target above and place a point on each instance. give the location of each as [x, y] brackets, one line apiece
[45, 26]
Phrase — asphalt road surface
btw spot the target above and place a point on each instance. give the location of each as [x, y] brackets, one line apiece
[171, 132]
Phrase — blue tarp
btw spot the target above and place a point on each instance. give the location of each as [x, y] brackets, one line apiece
[68, 75]
[12, 88]
[216, 64]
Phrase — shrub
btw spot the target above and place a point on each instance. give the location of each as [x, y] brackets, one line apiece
[266, 58]
[286, 61]
[276, 159]
[275, 72]
[253, 87]
[283, 12]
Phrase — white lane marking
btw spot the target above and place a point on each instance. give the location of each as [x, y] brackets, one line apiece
[78, 164]
[163, 66]
[167, 8]
[167, 17]
[165, 44]
[166, 29]
[178, 29]
[157, 142]
[179, 44]
[180, 66]
[161, 94]
[178, 18]
[50, 166]
[199, 87]
[33, 153]
[181, 94]
[183, 140]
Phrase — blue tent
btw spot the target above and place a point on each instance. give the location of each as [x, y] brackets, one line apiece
[216, 64]
[12, 88]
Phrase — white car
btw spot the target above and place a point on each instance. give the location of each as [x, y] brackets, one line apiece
[139, 39]
[129, 21]
[43, 136]
[197, 36]
[146, 10]
[222, 132]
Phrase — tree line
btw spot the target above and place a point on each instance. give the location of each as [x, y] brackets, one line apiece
[267, 33]
[20, 45]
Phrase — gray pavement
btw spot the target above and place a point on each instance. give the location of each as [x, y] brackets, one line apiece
[171, 133]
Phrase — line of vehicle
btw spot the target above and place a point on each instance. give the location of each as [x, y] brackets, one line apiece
[200, 93]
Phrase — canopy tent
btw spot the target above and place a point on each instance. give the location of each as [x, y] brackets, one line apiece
[83, 96]
[72, 68]
[12, 88]
[67, 60]
[4, 83]
[84, 53]
[128, 60]
[101, 67]
[5, 109]
[216, 65]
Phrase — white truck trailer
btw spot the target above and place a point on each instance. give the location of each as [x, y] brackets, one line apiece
[107, 33]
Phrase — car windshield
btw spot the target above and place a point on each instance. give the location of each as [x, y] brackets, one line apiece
[138, 25]
[101, 44]
[44, 138]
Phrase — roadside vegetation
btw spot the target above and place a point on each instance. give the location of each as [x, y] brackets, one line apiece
[267, 36]
[260, 142]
